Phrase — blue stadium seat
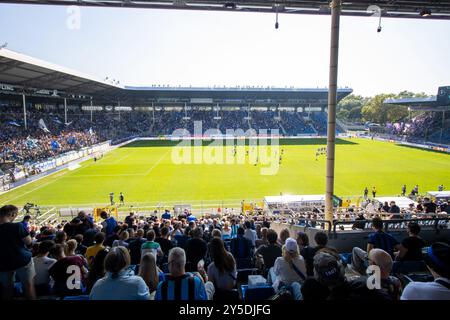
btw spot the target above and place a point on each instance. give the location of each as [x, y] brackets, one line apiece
[257, 293]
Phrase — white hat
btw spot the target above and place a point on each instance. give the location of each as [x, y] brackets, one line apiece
[291, 245]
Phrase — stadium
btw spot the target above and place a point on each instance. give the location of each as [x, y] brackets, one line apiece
[265, 183]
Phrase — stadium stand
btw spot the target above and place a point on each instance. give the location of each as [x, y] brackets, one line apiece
[36, 144]
[39, 254]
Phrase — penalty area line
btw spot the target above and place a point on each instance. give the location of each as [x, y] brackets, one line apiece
[156, 163]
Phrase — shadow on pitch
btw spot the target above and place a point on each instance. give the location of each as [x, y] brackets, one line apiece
[283, 142]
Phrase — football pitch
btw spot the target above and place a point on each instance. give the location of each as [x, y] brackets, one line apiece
[145, 171]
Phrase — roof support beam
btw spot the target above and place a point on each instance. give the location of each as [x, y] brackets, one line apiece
[390, 8]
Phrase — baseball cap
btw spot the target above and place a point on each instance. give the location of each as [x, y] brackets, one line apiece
[328, 268]
[291, 245]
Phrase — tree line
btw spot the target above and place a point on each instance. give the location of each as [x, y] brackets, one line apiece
[359, 109]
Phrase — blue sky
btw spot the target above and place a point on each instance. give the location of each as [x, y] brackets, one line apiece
[171, 47]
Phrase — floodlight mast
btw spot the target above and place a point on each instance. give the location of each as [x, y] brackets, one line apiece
[332, 101]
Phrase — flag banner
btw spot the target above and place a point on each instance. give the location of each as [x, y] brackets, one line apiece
[31, 143]
[43, 126]
[13, 123]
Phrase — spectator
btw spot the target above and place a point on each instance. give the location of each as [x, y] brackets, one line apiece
[263, 240]
[182, 239]
[241, 249]
[330, 283]
[438, 262]
[249, 233]
[60, 272]
[118, 284]
[135, 247]
[71, 246]
[284, 234]
[306, 252]
[271, 251]
[395, 210]
[42, 264]
[129, 220]
[379, 240]
[61, 238]
[26, 222]
[390, 285]
[122, 242]
[177, 230]
[429, 205]
[226, 231]
[81, 249]
[92, 251]
[166, 215]
[359, 222]
[15, 258]
[234, 228]
[222, 270]
[88, 236]
[150, 273]
[289, 270]
[411, 247]
[164, 241]
[150, 246]
[115, 235]
[321, 240]
[386, 207]
[196, 249]
[180, 285]
[97, 270]
[108, 224]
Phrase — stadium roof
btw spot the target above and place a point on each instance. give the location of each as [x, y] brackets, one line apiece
[24, 71]
[388, 8]
[440, 102]
[20, 73]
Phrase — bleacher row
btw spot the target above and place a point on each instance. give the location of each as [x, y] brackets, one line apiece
[259, 254]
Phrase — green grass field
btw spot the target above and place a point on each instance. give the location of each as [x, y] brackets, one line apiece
[145, 173]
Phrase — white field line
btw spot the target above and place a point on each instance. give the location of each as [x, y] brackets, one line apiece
[122, 158]
[109, 175]
[62, 175]
[34, 189]
[156, 163]
[77, 161]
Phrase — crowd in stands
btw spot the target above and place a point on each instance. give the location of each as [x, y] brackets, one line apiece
[36, 143]
[427, 126]
[163, 257]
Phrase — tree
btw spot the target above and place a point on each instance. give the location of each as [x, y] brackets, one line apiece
[349, 108]
[376, 111]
